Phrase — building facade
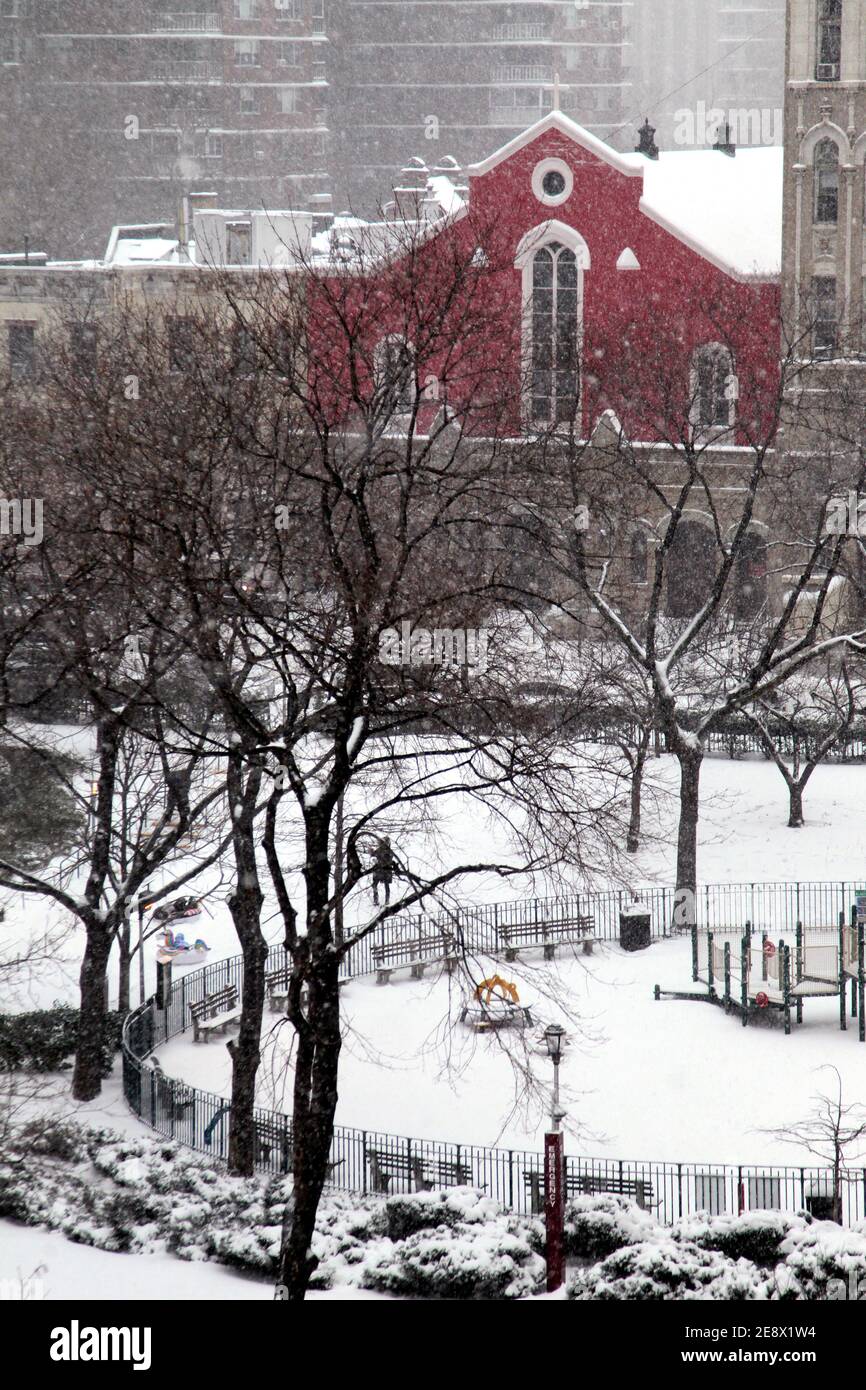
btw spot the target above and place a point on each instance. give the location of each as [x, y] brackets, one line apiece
[423, 79]
[824, 257]
[120, 109]
[697, 65]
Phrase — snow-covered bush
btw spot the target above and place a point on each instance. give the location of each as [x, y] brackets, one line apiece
[149, 1195]
[44, 1040]
[756, 1235]
[487, 1261]
[667, 1269]
[596, 1226]
[815, 1253]
[423, 1211]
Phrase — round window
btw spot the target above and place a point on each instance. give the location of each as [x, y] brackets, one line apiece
[553, 183]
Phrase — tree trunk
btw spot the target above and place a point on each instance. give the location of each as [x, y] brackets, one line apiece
[316, 1067]
[690, 760]
[632, 843]
[795, 814]
[124, 967]
[246, 909]
[246, 1055]
[93, 979]
[315, 1104]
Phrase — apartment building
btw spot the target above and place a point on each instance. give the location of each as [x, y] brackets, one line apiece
[117, 109]
[434, 78]
[694, 61]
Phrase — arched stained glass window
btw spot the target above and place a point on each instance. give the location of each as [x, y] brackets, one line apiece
[555, 348]
[712, 387]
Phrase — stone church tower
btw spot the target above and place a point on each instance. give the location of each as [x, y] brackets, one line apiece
[825, 148]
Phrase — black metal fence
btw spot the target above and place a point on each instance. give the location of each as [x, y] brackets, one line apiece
[365, 1161]
[770, 907]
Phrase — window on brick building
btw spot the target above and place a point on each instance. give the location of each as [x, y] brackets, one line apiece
[247, 53]
[180, 343]
[826, 165]
[208, 145]
[829, 49]
[825, 317]
[244, 351]
[11, 50]
[238, 243]
[713, 391]
[22, 350]
[555, 365]
[82, 344]
[248, 101]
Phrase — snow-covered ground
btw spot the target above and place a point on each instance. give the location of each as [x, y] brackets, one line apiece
[669, 1080]
[642, 1079]
[37, 1264]
[743, 838]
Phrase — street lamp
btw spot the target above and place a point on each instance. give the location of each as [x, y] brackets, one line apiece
[554, 1036]
[554, 1169]
[142, 905]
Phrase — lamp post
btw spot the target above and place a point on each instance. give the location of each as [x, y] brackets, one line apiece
[142, 908]
[554, 1169]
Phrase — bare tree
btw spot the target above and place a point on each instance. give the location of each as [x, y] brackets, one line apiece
[326, 548]
[834, 1132]
[702, 637]
[812, 721]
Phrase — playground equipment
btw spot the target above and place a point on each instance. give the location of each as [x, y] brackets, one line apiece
[496, 1004]
[752, 980]
[179, 951]
[176, 909]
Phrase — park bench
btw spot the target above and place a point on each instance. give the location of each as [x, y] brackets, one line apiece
[277, 989]
[425, 1173]
[180, 1096]
[273, 1133]
[277, 986]
[486, 1020]
[417, 953]
[586, 1184]
[580, 931]
[214, 1013]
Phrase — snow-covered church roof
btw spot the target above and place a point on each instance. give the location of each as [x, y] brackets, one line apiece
[727, 209]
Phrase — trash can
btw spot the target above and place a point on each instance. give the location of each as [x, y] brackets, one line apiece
[821, 1205]
[635, 925]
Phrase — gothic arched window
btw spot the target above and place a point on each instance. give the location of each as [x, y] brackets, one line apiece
[691, 568]
[638, 555]
[829, 48]
[826, 182]
[713, 393]
[394, 377]
[555, 350]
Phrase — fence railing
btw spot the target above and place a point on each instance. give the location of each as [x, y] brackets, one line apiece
[366, 1161]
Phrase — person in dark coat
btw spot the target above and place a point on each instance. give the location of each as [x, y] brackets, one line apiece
[383, 869]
